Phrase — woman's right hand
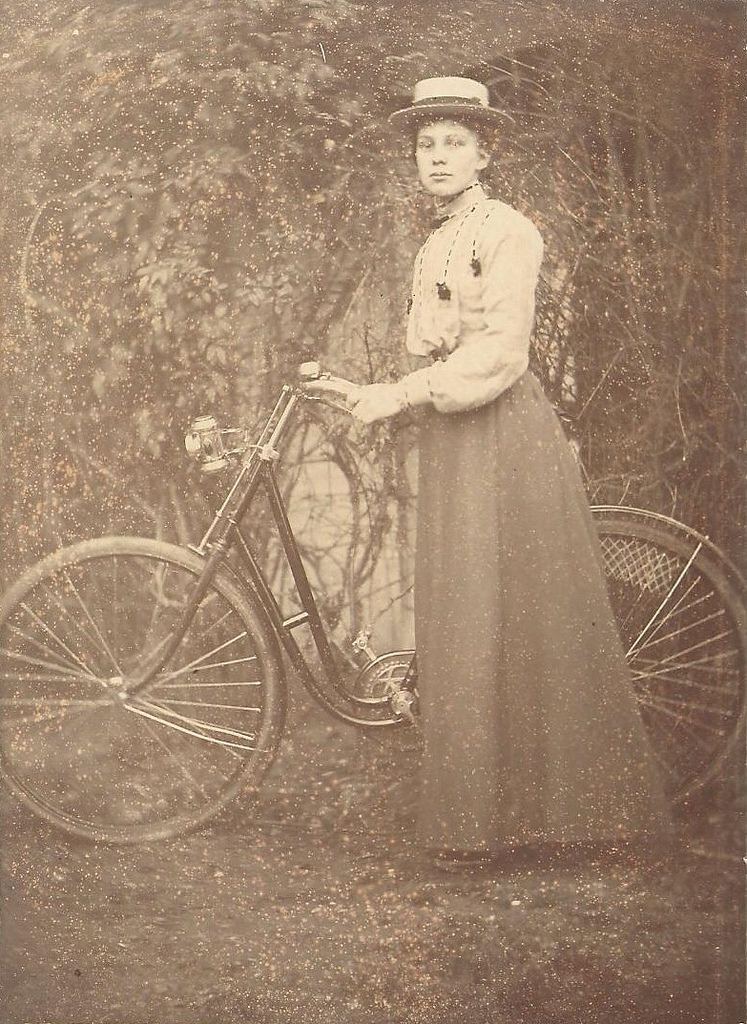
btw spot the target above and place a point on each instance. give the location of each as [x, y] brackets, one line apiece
[334, 390]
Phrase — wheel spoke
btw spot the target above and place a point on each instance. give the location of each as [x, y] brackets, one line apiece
[679, 632]
[51, 702]
[97, 639]
[675, 679]
[684, 709]
[50, 632]
[201, 684]
[38, 645]
[198, 723]
[651, 624]
[174, 758]
[154, 763]
[683, 626]
[143, 710]
[73, 717]
[684, 660]
[62, 711]
[53, 666]
[700, 733]
[190, 667]
[678, 627]
[171, 702]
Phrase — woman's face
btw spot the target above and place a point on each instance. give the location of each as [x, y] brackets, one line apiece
[449, 157]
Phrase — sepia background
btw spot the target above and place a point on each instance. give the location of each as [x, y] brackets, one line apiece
[198, 195]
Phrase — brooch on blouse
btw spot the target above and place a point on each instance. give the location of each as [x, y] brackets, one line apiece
[440, 354]
[442, 288]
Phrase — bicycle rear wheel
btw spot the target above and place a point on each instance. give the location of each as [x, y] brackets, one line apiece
[89, 758]
[683, 624]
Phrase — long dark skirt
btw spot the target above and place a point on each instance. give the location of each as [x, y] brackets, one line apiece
[531, 731]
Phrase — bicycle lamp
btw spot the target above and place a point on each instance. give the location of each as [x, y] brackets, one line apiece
[204, 442]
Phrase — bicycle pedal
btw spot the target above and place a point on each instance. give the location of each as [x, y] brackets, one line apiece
[404, 704]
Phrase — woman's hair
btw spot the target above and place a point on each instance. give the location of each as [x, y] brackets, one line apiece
[486, 134]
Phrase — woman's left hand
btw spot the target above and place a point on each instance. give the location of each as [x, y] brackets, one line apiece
[377, 402]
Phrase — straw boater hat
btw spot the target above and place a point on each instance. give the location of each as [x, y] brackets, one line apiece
[439, 98]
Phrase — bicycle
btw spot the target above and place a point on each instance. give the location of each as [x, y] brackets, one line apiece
[144, 683]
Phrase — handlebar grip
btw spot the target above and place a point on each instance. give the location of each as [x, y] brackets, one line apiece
[310, 371]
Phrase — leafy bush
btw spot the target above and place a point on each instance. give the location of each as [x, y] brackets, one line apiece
[198, 196]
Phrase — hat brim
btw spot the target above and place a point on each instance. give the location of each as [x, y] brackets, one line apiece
[414, 116]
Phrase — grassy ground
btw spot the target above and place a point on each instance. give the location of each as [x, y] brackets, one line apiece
[318, 907]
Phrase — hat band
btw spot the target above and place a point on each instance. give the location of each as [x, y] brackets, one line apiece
[433, 100]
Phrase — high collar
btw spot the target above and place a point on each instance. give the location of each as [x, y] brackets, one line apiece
[465, 200]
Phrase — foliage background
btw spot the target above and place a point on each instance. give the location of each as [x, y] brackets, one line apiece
[197, 195]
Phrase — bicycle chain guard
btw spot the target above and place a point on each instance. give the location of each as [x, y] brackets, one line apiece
[387, 679]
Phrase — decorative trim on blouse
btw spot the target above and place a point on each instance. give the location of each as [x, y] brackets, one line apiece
[442, 287]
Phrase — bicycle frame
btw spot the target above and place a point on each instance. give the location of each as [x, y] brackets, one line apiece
[224, 534]
[677, 601]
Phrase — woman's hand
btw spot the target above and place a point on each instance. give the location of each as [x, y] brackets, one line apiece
[378, 402]
[334, 390]
[367, 402]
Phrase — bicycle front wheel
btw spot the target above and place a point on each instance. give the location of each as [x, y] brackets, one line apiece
[683, 624]
[98, 762]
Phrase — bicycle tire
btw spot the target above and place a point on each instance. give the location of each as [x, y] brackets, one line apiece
[681, 616]
[110, 767]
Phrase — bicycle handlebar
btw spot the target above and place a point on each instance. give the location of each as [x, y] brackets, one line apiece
[318, 385]
[204, 440]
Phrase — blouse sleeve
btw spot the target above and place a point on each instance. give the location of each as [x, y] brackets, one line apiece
[493, 350]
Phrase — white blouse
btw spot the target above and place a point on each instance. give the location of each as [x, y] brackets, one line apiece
[472, 306]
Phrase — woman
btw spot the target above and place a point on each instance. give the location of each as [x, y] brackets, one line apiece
[530, 727]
